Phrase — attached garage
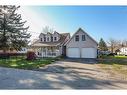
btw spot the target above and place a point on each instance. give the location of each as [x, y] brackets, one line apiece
[81, 45]
[73, 52]
[84, 53]
[88, 53]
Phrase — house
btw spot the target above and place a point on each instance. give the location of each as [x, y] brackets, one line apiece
[80, 45]
[50, 45]
[23, 50]
[122, 51]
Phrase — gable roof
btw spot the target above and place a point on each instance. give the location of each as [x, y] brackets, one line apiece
[59, 42]
[56, 32]
[80, 29]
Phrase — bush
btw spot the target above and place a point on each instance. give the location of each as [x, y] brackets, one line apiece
[8, 55]
[4, 55]
[101, 56]
[31, 55]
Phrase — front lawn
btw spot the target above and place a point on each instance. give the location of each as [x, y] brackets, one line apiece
[114, 64]
[114, 57]
[22, 63]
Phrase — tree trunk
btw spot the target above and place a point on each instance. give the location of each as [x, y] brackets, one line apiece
[4, 50]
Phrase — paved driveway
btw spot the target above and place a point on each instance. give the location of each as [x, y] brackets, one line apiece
[67, 74]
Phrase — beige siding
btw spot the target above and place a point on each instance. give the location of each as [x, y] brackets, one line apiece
[88, 43]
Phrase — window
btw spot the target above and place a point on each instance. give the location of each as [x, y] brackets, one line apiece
[41, 39]
[55, 38]
[77, 38]
[44, 39]
[83, 38]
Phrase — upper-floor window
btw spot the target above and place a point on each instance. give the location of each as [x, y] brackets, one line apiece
[83, 38]
[55, 38]
[41, 39]
[44, 39]
[77, 38]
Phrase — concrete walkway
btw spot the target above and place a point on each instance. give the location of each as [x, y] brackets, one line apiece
[61, 75]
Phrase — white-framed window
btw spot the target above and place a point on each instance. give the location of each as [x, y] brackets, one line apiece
[55, 38]
[77, 38]
[41, 40]
[83, 37]
[44, 39]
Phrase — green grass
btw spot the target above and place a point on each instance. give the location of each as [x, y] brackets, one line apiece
[120, 57]
[117, 64]
[114, 57]
[22, 63]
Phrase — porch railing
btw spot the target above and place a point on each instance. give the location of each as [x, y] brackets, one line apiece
[50, 54]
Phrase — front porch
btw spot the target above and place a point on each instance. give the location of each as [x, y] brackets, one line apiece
[47, 51]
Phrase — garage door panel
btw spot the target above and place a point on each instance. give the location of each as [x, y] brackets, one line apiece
[89, 53]
[73, 52]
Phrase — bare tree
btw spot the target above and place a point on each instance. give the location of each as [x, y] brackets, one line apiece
[112, 44]
[125, 42]
[47, 29]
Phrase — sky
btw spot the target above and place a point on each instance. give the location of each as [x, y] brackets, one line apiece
[98, 21]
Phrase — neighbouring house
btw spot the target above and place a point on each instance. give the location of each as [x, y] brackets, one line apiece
[23, 50]
[122, 51]
[80, 45]
[50, 45]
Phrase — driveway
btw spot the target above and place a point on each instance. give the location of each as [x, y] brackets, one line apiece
[67, 74]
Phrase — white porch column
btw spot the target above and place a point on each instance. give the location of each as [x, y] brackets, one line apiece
[41, 51]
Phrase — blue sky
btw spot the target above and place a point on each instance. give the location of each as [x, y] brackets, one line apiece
[98, 21]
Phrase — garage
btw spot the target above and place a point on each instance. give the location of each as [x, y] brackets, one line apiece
[88, 53]
[73, 52]
[81, 45]
[85, 53]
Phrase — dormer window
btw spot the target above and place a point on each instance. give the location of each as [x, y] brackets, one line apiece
[55, 38]
[41, 39]
[44, 39]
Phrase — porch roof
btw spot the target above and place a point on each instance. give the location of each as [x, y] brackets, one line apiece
[45, 44]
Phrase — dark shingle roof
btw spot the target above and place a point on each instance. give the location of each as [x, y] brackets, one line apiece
[59, 42]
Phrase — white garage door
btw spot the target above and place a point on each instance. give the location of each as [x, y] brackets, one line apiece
[73, 52]
[89, 53]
